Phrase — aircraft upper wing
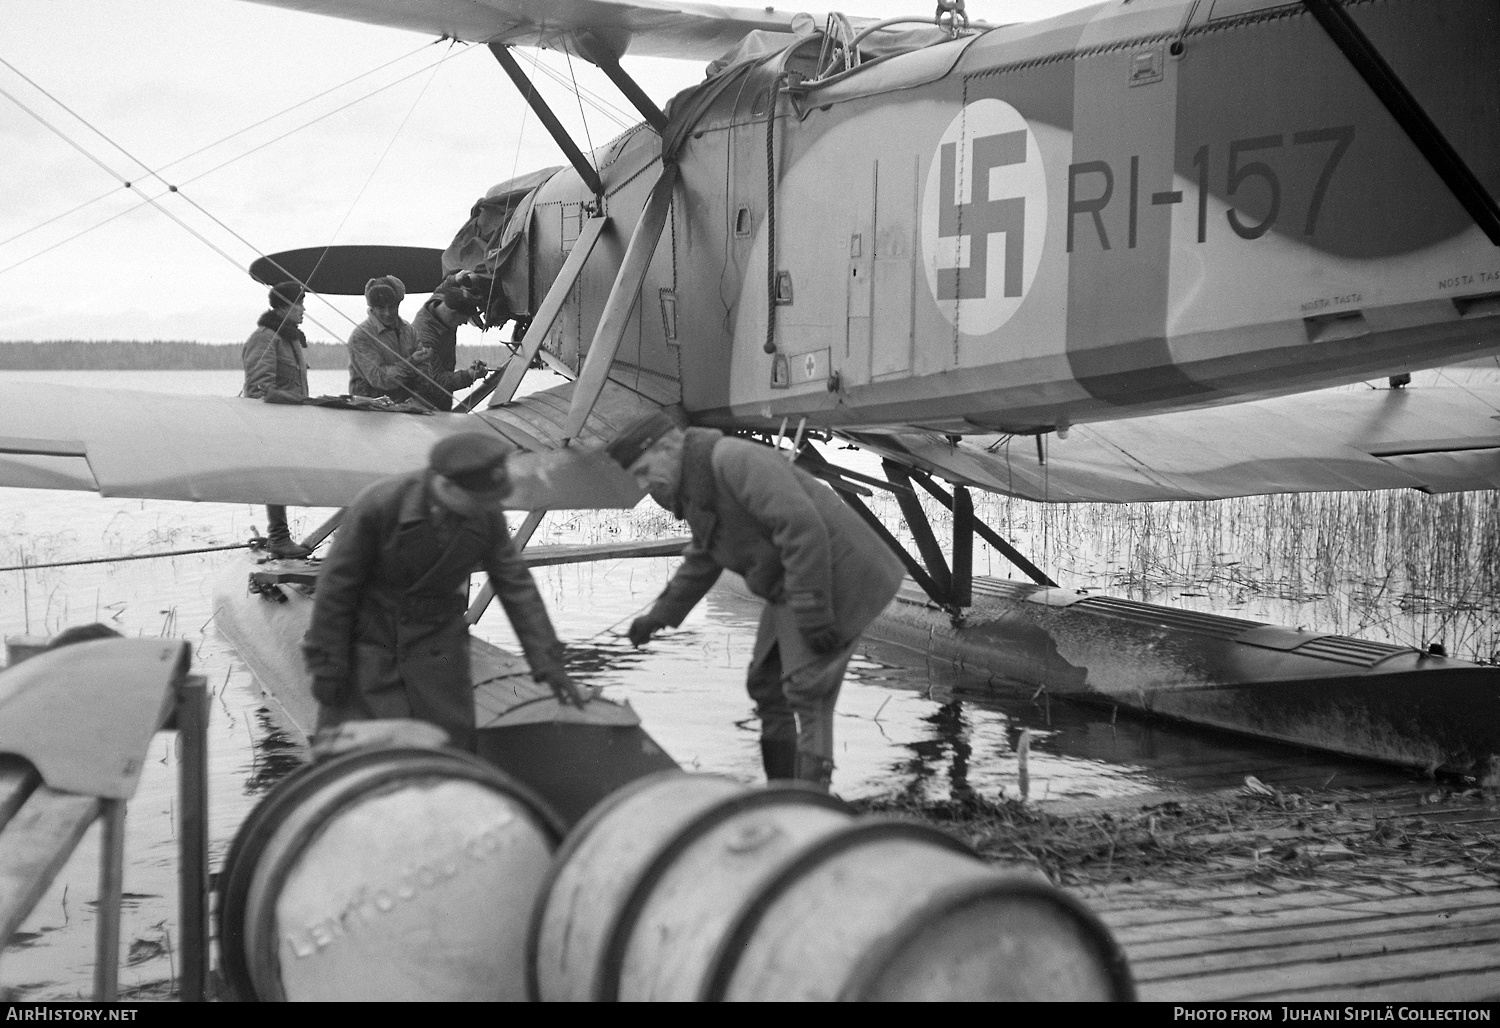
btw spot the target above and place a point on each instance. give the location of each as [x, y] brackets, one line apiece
[232, 450]
[648, 28]
[1436, 439]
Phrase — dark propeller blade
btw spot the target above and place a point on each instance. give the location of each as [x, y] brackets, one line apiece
[346, 269]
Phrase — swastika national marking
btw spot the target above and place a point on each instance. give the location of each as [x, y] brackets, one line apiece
[982, 216]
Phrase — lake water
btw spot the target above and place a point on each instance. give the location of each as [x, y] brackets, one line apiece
[920, 730]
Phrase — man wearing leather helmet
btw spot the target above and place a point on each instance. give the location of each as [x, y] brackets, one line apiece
[388, 637]
[823, 574]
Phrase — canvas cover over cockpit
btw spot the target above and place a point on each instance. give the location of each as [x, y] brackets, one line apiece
[491, 239]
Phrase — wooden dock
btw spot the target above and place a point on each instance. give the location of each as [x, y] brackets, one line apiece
[1395, 895]
[72, 741]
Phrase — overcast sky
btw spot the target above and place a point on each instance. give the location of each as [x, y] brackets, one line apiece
[163, 79]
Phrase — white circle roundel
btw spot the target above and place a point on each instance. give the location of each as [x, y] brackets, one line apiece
[984, 216]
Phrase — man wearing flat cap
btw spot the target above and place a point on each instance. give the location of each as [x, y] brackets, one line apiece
[436, 328]
[823, 574]
[381, 346]
[276, 369]
[388, 637]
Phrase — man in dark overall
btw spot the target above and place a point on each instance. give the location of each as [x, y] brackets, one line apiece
[275, 368]
[436, 329]
[388, 637]
[823, 574]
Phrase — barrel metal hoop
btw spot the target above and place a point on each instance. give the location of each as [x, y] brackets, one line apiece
[743, 925]
[617, 938]
[570, 846]
[250, 841]
[453, 764]
[875, 962]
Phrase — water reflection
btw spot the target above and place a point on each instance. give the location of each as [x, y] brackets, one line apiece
[949, 741]
[273, 756]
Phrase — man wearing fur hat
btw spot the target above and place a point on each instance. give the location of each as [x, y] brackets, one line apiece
[388, 638]
[436, 327]
[275, 368]
[381, 346]
[823, 574]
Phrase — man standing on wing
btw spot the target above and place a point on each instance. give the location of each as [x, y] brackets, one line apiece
[823, 574]
[381, 346]
[388, 637]
[436, 328]
[276, 370]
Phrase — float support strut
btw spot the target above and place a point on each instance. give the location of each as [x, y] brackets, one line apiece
[921, 530]
[963, 548]
[487, 591]
[323, 531]
[913, 566]
[986, 533]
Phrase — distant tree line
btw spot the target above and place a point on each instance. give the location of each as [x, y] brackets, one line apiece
[171, 355]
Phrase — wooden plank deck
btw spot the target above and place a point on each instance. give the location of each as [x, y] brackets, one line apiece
[38, 831]
[1378, 923]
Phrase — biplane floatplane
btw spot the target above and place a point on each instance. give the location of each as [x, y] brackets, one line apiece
[1108, 256]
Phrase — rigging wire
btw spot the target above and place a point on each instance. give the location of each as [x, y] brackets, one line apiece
[618, 115]
[153, 200]
[587, 135]
[202, 149]
[358, 196]
[188, 181]
[214, 246]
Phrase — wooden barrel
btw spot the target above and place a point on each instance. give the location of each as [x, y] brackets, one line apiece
[386, 874]
[893, 910]
[694, 887]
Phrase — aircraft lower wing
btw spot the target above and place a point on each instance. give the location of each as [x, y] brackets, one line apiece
[231, 450]
[648, 28]
[1436, 439]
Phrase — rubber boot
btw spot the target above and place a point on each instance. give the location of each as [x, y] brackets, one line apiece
[814, 769]
[779, 757]
[279, 539]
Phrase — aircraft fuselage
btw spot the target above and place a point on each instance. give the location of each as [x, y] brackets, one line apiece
[1124, 210]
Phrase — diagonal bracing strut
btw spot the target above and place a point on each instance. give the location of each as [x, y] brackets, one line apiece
[622, 299]
[546, 315]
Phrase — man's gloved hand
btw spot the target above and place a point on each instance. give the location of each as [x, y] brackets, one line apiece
[479, 369]
[563, 687]
[328, 691]
[642, 628]
[815, 620]
[823, 641]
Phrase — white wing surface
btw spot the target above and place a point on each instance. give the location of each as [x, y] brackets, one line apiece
[232, 450]
[648, 28]
[1436, 439]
